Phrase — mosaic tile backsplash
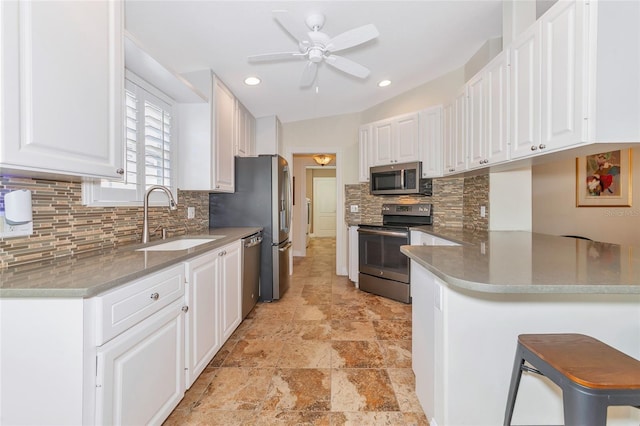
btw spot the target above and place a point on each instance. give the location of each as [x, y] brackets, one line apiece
[456, 202]
[62, 226]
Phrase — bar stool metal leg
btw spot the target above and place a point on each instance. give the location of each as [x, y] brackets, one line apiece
[582, 408]
[516, 375]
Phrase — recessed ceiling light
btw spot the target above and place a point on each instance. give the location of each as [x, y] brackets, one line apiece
[384, 83]
[252, 81]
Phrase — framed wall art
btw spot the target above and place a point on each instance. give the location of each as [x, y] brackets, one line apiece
[604, 179]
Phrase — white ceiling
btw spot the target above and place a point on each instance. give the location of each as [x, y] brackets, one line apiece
[419, 41]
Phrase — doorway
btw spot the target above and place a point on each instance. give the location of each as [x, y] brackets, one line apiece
[304, 169]
[324, 207]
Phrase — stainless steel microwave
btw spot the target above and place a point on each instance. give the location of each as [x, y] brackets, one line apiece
[400, 178]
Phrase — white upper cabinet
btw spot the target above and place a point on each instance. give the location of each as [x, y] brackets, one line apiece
[268, 137]
[455, 134]
[476, 143]
[431, 141]
[62, 87]
[223, 119]
[563, 69]
[496, 111]
[364, 142]
[207, 135]
[395, 140]
[525, 86]
[245, 131]
[547, 75]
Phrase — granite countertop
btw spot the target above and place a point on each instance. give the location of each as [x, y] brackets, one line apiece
[88, 275]
[525, 262]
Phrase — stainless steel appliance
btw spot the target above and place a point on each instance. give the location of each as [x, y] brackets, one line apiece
[250, 271]
[403, 178]
[262, 198]
[383, 269]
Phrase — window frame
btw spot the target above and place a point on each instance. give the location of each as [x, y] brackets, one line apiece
[94, 195]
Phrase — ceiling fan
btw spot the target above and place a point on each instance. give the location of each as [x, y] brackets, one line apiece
[316, 46]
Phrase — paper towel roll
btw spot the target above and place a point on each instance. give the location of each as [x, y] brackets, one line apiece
[17, 207]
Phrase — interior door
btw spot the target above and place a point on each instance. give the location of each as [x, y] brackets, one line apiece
[324, 207]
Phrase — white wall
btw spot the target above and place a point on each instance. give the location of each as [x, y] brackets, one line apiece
[429, 94]
[555, 211]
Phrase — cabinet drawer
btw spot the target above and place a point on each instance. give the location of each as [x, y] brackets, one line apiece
[120, 309]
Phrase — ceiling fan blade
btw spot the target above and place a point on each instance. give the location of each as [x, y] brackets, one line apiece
[293, 27]
[309, 74]
[347, 65]
[352, 38]
[279, 56]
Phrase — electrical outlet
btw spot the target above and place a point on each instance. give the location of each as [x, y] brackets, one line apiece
[191, 212]
[483, 211]
[354, 208]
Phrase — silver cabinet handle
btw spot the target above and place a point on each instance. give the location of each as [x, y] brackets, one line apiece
[155, 296]
[120, 171]
[185, 309]
[542, 146]
[533, 147]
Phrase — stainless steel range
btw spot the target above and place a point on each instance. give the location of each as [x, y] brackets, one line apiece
[383, 270]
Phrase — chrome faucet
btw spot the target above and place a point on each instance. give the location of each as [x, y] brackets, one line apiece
[145, 221]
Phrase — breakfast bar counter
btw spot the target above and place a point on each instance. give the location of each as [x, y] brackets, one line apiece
[472, 300]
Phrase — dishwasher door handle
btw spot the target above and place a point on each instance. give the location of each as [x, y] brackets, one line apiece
[253, 243]
[286, 247]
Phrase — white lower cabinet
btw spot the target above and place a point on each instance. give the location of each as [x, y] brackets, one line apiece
[214, 306]
[229, 274]
[202, 336]
[118, 358]
[140, 376]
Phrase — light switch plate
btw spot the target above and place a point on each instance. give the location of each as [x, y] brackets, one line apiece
[191, 212]
[354, 208]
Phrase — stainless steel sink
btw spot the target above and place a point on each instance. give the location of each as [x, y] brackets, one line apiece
[182, 244]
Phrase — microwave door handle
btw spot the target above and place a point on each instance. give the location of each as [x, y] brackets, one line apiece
[402, 179]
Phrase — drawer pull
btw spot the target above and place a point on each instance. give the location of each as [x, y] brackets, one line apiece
[155, 296]
[185, 309]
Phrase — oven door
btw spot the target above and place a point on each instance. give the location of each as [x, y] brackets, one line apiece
[379, 253]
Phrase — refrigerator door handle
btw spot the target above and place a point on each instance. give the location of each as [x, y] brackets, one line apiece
[286, 247]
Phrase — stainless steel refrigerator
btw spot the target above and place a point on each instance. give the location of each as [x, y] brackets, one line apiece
[262, 198]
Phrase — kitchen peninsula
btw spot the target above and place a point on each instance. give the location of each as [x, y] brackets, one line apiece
[470, 302]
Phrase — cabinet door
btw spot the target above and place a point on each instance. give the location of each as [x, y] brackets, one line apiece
[382, 152]
[496, 77]
[224, 131]
[364, 144]
[230, 288]
[564, 66]
[406, 138]
[431, 141]
[203, 337]
[448, 130]
[525, 98]
[460, 131]
[476, 147]
[245, 130]
[63, 82]
[140, 374]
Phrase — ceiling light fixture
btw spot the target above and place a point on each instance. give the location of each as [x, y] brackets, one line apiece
[252, 81]
[384, 83]
[322, 159]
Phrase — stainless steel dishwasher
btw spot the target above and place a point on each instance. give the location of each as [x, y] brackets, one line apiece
[250, 272]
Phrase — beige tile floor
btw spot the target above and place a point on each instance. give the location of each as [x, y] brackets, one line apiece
[325, 354]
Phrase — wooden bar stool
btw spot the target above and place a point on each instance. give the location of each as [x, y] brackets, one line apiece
[591, 374]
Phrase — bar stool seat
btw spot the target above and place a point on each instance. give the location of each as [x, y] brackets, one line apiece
[591, 374]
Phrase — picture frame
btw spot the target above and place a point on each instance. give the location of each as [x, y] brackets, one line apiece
[604, 179]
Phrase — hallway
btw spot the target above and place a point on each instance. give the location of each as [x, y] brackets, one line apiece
[325, 354]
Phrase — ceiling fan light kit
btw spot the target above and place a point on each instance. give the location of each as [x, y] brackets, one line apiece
[316, 46]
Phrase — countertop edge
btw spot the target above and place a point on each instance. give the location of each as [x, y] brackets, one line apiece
[483, 287]
[235, 234]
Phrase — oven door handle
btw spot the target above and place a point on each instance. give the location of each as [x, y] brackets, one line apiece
[384, 232]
